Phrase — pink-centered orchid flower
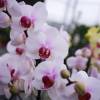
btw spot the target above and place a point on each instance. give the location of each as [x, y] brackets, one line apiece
[28, 16]
[19, 49]
[47, 44]
[18, 68]
[47, 75]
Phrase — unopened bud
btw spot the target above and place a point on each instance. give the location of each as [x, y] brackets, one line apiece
[4, 20]
[65, 73]
[13, 89]
[80, 88]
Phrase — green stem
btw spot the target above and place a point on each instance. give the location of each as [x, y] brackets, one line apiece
[39, 95]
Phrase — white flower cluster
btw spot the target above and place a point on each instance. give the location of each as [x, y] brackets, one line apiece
[32, 39]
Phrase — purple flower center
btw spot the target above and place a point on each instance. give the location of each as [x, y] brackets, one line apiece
[86, 96]
[25, 22]
[44, 52]
[48, 82]
[19, 51]
[12, 72]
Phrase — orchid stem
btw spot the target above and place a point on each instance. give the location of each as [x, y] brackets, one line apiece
[39, 95]
[70, 82]
[88, 65]
[19, 97]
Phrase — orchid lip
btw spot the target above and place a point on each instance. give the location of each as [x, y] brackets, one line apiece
[25, 22]
[48, 82]
[44, 52]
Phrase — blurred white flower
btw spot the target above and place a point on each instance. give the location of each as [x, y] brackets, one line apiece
[77, 62]
[47, 75]
[94, 72]
[85, 52]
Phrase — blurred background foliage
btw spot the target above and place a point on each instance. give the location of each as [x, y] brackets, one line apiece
[78, 38]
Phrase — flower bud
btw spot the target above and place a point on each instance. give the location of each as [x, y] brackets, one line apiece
[65, 73]
[4, 20]
[13, 89]
[80, 88]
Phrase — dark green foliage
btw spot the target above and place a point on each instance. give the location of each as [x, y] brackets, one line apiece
[4, 36]
[81, 31]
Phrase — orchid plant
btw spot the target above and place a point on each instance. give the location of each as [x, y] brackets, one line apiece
[35, 57]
